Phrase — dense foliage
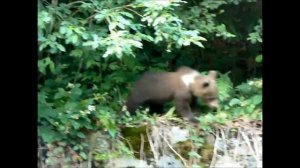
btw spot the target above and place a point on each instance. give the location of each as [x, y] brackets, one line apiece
[91, 51]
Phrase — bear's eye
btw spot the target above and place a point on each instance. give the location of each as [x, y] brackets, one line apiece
[206, 84]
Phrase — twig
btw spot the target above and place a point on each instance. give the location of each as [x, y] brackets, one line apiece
[133, 11]
[255, 146]
[237, 145]
[120, 7]
[152, 146]
[182, 159]
[78, 71]
[54, 2]
[142, 148]
[227, 131]
[90, 156]
[215, 153]
[225, 143]
[72, 3]
[192, 160]
[129, 144]
[90, 17]
[161, 132]
[249, 145]
[75, 13]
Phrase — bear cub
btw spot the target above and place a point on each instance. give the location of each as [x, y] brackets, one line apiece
[183, 87]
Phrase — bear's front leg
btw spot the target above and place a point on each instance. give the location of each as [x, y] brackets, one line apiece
[183, 108]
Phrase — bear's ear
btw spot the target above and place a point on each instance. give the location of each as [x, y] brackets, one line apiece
[213, 74]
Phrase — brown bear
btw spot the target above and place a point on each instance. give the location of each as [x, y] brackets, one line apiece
[183, 87]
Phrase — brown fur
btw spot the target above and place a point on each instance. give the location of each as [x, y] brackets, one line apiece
[156, 88]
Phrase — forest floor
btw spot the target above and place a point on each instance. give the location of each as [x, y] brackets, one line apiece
[237, 144]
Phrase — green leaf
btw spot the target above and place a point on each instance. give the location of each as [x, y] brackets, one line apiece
[102, 15]
[76, 53]
[61, 48]
[63, 30]
[42, 46]
[52, 67]
[75, 147]
[209, 118]
[108, 52]
[199, 44]
[112, 132]
[61, 93]
[87, 124]
[89, 63]
[76, 92]
[74, 39]
[112, 25]
[47, 137]
[234, 101]
[84, 35]
[256, 99]
[83, 155]
[159, 20]
[80, 135]
[127, 14]
[170, 111]
[75, 124]
[114, 66]
[121, 26]
[136, 44]
[145, 37]
[71, 105]
[259, 58]
[244, 88]
[186, 43]
[69, 32]
[194, 154]
[123, 20]
[42, 66]
[79, 30]
[225, 86]
[238, 111]
[48, 134]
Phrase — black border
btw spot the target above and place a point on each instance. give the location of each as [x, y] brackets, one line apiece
[280, 84]
[19, 69]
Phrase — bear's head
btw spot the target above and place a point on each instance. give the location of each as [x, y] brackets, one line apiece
[205, 88]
